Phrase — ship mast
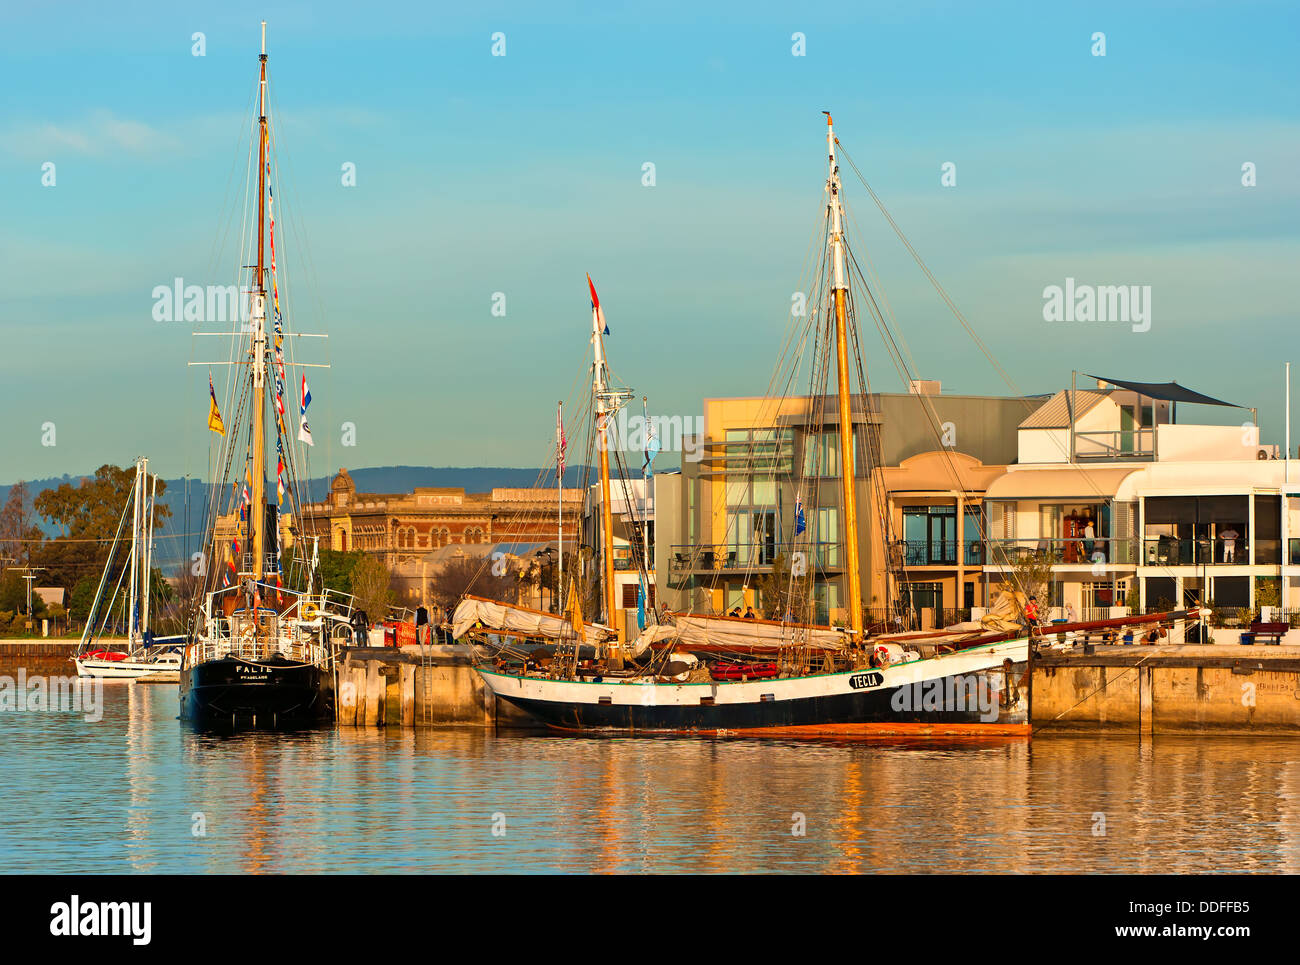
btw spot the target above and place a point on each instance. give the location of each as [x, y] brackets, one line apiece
[839, 291]
[257, 515]
[600, 390]
[607, 402]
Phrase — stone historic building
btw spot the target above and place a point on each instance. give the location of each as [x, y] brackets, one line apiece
[403, 529]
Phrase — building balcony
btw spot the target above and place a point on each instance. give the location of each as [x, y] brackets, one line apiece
[1171, 551]
[920, 552]
[708, 558]
[1006, 553]
[1119, 445]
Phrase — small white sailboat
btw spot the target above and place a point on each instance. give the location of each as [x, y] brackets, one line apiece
[141, 654]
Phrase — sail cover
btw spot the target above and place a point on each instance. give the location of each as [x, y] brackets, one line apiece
[721, 633]
[518, 619]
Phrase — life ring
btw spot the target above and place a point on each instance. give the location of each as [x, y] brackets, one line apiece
[309, 612]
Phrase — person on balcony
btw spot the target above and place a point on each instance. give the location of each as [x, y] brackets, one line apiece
[1089, 538]
[1229, 537]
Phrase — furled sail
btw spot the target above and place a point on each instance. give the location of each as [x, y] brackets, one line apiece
[737, 634]
[494, 615]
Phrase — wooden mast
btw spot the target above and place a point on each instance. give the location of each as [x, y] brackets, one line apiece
[601, 395]
[257, 515]
[839, 290]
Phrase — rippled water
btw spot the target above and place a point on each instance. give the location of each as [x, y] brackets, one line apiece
[126, 794]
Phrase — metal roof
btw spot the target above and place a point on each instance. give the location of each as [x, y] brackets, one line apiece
[1055, 412]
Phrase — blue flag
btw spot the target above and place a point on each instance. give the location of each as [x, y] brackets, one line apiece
[800, 524]
[640, 606]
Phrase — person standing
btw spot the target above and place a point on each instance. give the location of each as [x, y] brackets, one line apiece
[1089, 539]
[1229, 537]
[421, 622]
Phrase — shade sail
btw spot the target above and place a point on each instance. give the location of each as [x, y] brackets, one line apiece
[1166, 392]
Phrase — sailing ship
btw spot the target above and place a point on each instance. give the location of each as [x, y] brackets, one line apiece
[262, 651]
[709, 674]
[144, 654]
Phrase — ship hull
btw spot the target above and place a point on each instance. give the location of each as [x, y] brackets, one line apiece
[122, 669]
[231, 692]
[964, 694]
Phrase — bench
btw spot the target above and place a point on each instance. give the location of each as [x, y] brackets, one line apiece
[1265, 633]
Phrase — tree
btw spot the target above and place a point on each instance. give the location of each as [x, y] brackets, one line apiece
[780, 594]
[1031, 574]
[470, 574]
[370, 585]
[336, 566]
[88, 515]
[19, 534]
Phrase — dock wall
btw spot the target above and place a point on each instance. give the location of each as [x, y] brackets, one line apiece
[1191, 688]
[410, 687]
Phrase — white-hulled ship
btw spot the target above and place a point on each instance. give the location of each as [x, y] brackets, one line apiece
[142, 654]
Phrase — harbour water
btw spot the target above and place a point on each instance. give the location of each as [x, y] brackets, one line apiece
[139, 792]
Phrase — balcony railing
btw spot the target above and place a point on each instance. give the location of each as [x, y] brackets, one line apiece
[1169, 551]
[920, 552]
[629, 561]
[1115, 444]
[720, 556]
[1068, 552]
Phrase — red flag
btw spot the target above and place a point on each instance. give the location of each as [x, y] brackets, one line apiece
[595, 304]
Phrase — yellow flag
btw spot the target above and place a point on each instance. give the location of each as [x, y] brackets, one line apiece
[214, 414]
[575, 612]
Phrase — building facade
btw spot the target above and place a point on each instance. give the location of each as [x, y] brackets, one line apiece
[764, 482]
[402, 529]
[1133, 510]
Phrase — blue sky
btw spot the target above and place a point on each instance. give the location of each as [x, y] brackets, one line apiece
[478, 174]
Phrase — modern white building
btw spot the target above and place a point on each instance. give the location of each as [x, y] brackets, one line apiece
[631, 504]
[1132, 507]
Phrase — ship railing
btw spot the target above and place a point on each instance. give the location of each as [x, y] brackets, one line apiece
[262, 639]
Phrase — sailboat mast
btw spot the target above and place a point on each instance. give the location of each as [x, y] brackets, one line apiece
[600, 390]
[146, 577]
[257, 514]
[134, 569]
[839, 290]
[559, 505]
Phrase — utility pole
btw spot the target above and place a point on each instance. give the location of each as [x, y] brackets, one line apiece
[30, 578]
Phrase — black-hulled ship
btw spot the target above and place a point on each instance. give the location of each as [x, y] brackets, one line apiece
[261, 653]
[709, 674]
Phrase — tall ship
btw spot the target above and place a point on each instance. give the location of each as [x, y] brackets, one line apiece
[728, 674]
[264, 637]
[125, 603]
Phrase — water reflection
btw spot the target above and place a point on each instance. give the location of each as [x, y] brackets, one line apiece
[123, 795]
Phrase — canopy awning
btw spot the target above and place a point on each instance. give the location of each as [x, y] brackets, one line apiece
[1166, 392]
[1077, 483]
